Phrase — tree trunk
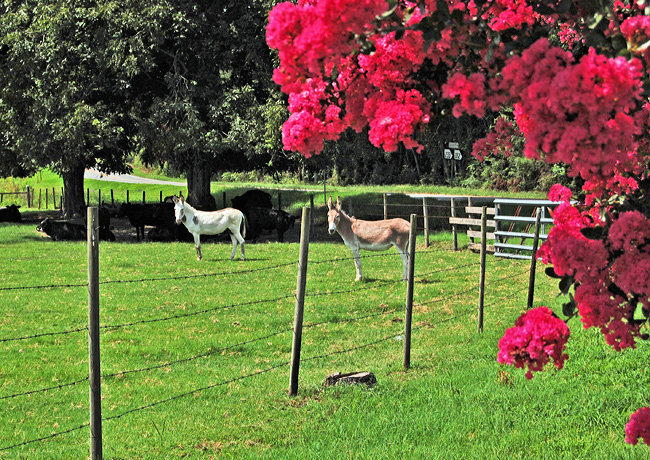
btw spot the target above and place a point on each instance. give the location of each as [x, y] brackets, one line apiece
[73, 192]
[198, 187]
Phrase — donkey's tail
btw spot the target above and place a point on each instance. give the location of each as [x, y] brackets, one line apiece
[242, 225]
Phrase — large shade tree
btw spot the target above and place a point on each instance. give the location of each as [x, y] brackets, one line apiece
[575, 73]
[65, 92]
[209, 101]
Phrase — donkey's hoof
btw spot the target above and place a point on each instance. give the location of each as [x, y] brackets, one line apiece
[358, 278]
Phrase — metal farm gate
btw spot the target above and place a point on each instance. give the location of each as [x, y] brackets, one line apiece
[514, 223]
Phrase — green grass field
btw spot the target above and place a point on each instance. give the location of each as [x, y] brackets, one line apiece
[215, 338]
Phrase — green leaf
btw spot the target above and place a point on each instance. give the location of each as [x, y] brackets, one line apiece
[593, 233]
[550, 272]
[565, 284]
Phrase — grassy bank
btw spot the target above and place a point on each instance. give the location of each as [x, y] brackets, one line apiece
[194, 358]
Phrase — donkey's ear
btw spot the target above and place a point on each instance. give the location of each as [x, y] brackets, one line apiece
[174, 198]
[338, 203]
[181, 199]
[330, 203]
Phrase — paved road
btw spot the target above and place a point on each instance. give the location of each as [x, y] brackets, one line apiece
[94, 174]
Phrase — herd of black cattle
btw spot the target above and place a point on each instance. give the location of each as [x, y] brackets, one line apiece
[255, 204]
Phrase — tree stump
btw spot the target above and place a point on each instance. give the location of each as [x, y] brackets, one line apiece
[366, 378]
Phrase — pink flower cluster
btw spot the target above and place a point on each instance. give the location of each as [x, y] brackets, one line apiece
[537, 337]
[577, 113]
[568, 35]
[498, 141]
[598, 264]
[332, 85]
[638, 427]
[509, 14]
[636, 31]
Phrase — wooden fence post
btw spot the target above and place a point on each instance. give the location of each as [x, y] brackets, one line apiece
[47, 198]
[87, 197]
[161, 196]
[94, 376]
[127, 195]
[425, 209]
[385, 207]
[481, 286]
[324, 189]
[300, 300]
[409, 293]
[533, 260]
[143, 197]
[112, 198]
[454, 232]
[311, 209]
[99, 197]
[40, 192]
[29, 200]
[223, 199]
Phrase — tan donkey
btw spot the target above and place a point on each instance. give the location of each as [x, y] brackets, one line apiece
[377, 235]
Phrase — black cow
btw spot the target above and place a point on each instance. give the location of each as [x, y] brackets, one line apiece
[72, 229]
[140, 215]
[63, 229]
[259, 219]
[10, 214]
[252, 199]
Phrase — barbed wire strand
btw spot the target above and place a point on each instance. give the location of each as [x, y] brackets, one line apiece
[195, 313]
[44, 334]
[196, 390]
[55, 387]
[140, 280]
[45, 438]
[192, 358]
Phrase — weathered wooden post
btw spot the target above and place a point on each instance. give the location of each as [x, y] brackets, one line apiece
[425, 210]
[87, 197]
[385, 207]
[94, 376]
[409, 293]
[127, 195]
[29, 200]
[533, 260]
[324, 189]
[454, 233]
[47, 198]
[300, 300]
[99, 197]
[143, 197]
[112, 198]
[54, 197]
[481, 286]
[311, 209]
[161, 196]
[40, 192]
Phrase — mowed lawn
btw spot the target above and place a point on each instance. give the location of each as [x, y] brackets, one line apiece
[195, 357]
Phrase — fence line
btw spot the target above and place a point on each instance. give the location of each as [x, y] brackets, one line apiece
[44, 334]
[42, 390]
[200, 312]
[163, 278]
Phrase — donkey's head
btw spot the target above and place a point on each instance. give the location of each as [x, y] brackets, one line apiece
[333, 214]
[179, 209]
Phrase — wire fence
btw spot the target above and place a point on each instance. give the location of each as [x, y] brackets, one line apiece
[447, 297]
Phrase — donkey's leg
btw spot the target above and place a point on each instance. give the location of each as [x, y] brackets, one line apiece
[357, 263]
[197, 243]
[241, 241]
[234, 245]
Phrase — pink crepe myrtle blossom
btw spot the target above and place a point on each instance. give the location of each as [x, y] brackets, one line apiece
[537, 338]
[638, 427]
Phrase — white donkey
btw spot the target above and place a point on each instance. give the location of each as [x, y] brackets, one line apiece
[377, 235]
[211, 223]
